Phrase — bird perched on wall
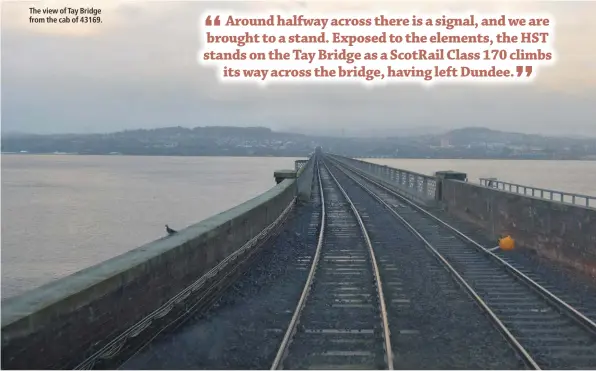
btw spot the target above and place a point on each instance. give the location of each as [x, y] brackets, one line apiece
[170, 230]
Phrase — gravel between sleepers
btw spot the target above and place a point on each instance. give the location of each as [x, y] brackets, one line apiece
[244, 328]
[434, 323]
[575, 288]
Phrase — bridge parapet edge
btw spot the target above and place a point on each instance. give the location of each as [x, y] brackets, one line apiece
[60, 321]
[542, 193]
[305, 176]
[415, 186]
[561, 232]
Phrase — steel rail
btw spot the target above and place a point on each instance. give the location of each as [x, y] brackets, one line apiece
[383, 307]
[285, 343]
[527, 358]
[284, 346]
[576, 315]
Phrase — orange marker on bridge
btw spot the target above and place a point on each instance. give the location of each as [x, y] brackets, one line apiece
[506, 244]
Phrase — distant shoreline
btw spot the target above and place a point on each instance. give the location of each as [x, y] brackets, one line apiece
[224, 141]
[292, 156]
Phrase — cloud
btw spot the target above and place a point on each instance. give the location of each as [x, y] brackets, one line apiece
[138, 69]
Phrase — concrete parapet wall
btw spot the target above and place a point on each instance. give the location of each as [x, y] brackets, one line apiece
[564, 233]
[299, 164]
[561, 232]
[305, 179]
[56, 324]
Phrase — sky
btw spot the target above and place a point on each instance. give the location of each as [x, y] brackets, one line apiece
[138, 69]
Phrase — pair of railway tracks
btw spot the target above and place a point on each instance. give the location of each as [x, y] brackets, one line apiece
[341, 312]
[341, 319]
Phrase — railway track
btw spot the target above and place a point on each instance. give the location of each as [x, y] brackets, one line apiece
[340, 320]
[564, 282]
[243, 328]
[544, 330]
[431, 319]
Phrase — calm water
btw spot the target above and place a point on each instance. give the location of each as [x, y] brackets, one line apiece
[61, 214]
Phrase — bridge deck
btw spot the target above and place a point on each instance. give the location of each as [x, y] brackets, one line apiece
[364, 278]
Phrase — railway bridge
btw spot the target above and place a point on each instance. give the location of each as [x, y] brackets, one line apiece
[343, 264]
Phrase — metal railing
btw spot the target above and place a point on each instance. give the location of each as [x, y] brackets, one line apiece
[547, 194]
[412, 183]
[423, 186]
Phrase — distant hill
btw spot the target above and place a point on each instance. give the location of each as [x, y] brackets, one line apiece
[365, 131]
[14, 134]
[262, 141]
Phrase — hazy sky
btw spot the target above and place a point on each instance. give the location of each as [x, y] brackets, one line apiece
[138, 69]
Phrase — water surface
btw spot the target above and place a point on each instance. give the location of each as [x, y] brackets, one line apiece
[64, 213]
